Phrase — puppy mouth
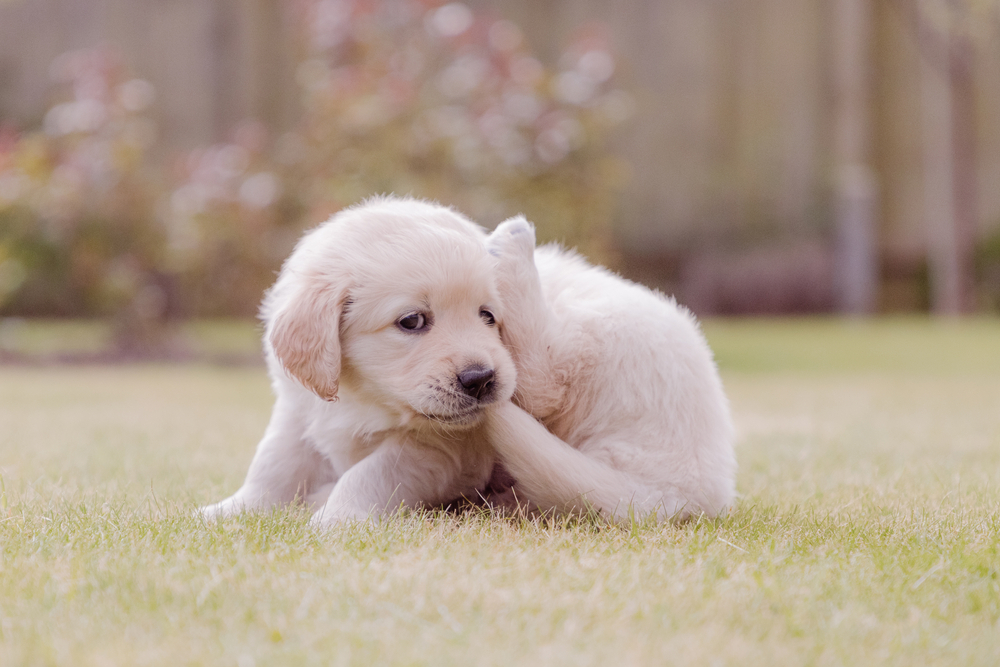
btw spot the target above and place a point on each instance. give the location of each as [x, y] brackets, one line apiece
[448, 407]
[463, 414]
[465, 417]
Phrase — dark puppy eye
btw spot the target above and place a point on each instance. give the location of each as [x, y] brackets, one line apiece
[487, 317]
[412, 322]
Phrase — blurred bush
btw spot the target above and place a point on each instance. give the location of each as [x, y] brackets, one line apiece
[988, 272]
[230, 222]
[408, 98]
[430, 100]
[78, 232]
[445, 104]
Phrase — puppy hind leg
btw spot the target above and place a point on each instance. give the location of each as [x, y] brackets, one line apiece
[512, 243]
[526, 320]
[553, 475]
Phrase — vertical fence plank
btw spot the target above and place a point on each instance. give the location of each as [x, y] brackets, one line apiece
[732, 124]
[855, 186]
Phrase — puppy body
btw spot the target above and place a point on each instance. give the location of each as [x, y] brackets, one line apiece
[619, 406]
[384, 356]
[393, 387]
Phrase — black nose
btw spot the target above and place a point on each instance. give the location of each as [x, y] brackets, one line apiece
[477, 381]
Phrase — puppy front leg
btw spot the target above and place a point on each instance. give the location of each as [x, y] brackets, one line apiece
[283, 468]
[395, 475]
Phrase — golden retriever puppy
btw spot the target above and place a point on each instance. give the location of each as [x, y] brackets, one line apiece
[382, 342]
[618, 407]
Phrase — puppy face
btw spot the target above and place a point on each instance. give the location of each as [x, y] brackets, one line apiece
[423, 338]
[398, 307]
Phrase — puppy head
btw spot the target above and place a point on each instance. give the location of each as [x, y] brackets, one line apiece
[394, 301]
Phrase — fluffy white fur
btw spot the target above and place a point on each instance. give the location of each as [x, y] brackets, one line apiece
[618, 405]
[369, 416]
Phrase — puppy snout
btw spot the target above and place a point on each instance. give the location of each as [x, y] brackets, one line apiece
[477, 381]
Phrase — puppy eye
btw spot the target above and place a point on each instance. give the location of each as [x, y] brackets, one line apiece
[487, 317]
[412, 322]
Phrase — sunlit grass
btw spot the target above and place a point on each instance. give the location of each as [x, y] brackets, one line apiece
[44, 339]
[893, 345]
[868, 531]
[35, 337]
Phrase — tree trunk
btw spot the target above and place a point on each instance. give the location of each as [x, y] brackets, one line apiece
[949, 156]
[855, 185]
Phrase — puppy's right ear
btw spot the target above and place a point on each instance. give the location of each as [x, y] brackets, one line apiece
[305, 336]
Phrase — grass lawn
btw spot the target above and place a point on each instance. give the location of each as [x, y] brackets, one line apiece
[868, 531]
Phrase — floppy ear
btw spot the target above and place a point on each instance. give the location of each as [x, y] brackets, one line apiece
[305, 336]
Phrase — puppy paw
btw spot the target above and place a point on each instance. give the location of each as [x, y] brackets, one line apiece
[512, 239]
[211, 512]
[327, 517]
[225, 508]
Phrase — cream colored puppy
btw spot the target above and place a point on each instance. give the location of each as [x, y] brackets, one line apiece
[384, 353]
[619, 407]
[393, 388]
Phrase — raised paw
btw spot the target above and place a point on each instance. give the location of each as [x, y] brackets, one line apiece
[513, 238]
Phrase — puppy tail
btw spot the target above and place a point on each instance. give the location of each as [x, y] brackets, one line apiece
[553, 475]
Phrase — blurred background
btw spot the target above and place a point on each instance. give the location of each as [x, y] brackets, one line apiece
[159, 158]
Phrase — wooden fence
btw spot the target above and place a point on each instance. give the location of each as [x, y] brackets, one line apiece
[733, 147]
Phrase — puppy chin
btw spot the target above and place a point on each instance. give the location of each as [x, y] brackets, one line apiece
[446, 420]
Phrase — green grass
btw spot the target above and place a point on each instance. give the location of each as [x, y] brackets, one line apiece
[44, 339]
[910, 345]
[868, 531]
